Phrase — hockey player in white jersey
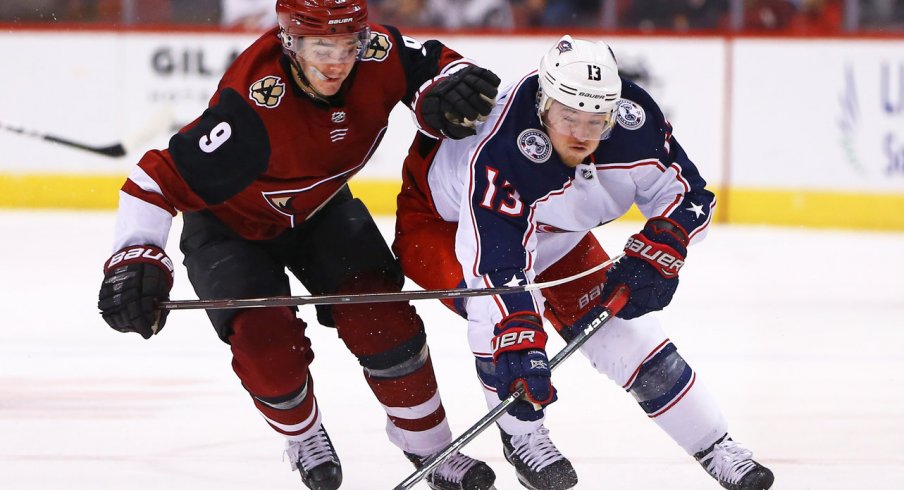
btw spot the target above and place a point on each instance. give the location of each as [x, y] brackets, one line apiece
[566, 149]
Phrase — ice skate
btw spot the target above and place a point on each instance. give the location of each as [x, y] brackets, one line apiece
[457, 472]
[316, 460]
[539, 465]
[731, 465]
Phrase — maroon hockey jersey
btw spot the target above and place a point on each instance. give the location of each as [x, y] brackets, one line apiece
[265, 156]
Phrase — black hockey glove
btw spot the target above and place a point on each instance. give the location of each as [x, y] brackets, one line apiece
[649, 268]
[453, 104]
[135, 279]
[520, 357]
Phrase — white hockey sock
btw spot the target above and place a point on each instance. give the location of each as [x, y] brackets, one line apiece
[695, 421]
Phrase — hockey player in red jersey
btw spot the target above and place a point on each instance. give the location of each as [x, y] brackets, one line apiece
[260, 178]
[566, 149]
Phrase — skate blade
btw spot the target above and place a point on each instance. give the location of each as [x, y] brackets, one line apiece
[527, 485]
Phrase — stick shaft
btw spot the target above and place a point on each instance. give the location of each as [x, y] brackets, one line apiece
[595, 321]
[345, 299]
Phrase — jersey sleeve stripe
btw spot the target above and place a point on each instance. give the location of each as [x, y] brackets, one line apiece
[529, 257]
[144, 187]
[680, 177]
[631, 165]
[143, 180]
[499, 303]
[702, 227]
[671, 207]
[554, 193]
[132, 189]
[456, 65]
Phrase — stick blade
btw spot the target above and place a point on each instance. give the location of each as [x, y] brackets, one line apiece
[116, 150]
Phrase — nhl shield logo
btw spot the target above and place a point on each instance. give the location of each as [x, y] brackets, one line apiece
[629, 114]
[535, 145]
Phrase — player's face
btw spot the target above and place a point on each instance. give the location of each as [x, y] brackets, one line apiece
[575, 134]
[327, 61]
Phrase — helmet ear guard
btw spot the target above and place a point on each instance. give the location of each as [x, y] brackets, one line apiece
[579, 74]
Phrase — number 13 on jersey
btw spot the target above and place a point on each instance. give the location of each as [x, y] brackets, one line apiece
[510, 204]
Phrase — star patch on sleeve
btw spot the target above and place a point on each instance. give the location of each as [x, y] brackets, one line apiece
[697, 209]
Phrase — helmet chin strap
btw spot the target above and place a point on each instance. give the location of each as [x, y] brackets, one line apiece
[303, 81]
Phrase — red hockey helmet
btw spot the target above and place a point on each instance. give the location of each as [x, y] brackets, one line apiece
[300, 18]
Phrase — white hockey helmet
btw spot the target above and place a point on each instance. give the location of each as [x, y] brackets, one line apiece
[582, 75]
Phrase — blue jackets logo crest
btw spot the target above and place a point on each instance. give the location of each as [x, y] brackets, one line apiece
[535, 145]
[564, 46]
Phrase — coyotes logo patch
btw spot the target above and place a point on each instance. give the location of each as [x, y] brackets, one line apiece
[267, 92]
[378, 47]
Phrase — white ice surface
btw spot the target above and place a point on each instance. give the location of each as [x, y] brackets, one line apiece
[798, 333]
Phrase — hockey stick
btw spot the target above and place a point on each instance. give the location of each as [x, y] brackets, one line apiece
[114, 150]
[592, 322]
[348, 299]
[160, 121]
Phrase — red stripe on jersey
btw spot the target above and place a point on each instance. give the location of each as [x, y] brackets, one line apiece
[680, 178]
[422, 424]
[159, 166]
[499, 303]
[628, 166]
[671, 207]
[132, 189]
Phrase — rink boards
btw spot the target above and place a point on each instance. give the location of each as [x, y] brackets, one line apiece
[787, 131]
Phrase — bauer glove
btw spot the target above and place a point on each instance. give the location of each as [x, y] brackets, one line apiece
[135, 279]
[649, 268]
[520, 357]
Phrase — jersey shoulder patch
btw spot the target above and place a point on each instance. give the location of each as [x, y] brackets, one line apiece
[267, 92]
[535, 145]
[377, 48]
[629, 114]
[225, 151]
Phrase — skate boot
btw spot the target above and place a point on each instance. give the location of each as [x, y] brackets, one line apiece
[730, 464]
[457, 472]
[316, 460]
[539, 465]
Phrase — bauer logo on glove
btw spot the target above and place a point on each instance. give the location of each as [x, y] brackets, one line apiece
[516, 339]
[655, 253]
[140, 254]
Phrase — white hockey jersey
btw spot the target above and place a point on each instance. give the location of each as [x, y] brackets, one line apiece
[519, 208]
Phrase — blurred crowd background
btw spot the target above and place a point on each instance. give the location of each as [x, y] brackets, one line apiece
[778, 16]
